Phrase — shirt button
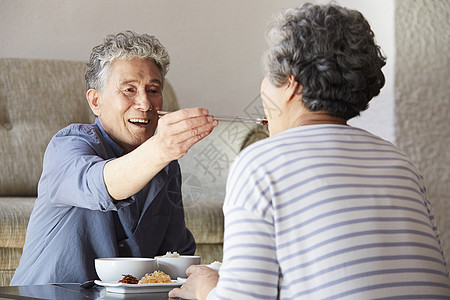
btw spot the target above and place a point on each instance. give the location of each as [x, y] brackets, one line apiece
[121, 245]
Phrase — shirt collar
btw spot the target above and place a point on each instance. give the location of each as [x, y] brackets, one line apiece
[114, 147]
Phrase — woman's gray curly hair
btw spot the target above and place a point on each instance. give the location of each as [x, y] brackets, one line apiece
[124, 45]
[331, 52]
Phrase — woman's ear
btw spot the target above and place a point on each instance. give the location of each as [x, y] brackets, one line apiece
[293, 88]
[92, 97]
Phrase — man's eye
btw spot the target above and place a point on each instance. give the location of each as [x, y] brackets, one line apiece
[154, 91]
[129, 90]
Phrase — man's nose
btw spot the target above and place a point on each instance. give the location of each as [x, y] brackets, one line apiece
[143, 102]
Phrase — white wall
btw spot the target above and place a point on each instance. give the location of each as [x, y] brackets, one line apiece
[215, 46]
[422, 104]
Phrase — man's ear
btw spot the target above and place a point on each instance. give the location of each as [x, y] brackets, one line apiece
[92, 97]
[293, 88]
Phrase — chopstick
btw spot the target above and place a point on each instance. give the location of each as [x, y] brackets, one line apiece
[261, 121]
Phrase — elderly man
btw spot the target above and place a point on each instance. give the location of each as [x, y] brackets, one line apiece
[113, 188]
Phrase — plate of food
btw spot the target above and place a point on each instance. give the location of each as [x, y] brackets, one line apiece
[155, 282]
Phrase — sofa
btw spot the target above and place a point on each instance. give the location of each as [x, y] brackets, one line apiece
[38, 97]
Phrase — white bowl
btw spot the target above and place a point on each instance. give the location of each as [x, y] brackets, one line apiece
[113, 269]
[176, 266]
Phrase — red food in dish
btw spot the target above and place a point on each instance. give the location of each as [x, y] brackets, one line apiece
[130, 279]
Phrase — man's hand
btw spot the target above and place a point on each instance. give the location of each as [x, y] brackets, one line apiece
[200, 282]
[177, 132]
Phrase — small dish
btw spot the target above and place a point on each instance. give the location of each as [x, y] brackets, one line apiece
[126, 288]
[176, 266]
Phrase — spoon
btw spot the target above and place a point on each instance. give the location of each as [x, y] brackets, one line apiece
[260, 121]
[87, 284]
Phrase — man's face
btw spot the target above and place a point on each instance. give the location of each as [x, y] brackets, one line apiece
[127, 107]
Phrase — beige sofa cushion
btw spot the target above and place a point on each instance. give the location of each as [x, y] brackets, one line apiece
[14, 215]
[34, 105]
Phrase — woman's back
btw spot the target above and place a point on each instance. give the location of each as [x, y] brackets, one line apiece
[341, 212]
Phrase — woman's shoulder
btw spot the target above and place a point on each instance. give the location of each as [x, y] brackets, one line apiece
[257, 155]
[263, 145]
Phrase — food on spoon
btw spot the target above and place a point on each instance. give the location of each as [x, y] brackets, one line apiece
[130, 279]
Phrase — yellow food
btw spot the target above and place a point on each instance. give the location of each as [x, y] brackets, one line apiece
[155, 277]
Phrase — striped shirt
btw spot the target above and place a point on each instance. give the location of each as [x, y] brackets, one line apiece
[328, 212]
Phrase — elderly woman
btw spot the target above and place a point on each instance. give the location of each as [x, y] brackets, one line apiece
[113, 188]
[322, 210]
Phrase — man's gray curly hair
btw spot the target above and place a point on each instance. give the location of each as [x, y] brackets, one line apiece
[124, 45]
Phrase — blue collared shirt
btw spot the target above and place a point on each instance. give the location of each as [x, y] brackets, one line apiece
[74, 219]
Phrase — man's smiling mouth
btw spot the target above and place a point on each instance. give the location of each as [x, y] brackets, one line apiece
[137, 121]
